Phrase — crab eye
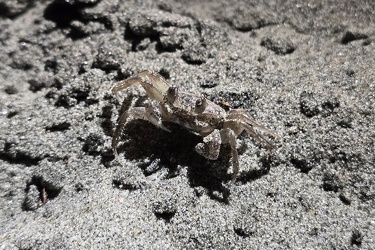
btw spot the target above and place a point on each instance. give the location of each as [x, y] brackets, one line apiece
[172, 93]
[200, 105]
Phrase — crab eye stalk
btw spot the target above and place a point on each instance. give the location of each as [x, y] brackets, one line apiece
[200, 105]
[172, 94]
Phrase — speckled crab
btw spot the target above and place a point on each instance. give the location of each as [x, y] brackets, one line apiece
[196, 113]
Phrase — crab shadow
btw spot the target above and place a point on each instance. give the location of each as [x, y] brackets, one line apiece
[170, 150]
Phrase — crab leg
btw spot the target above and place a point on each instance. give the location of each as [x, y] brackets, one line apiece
[137, 113]
[238, 126]
[241, 114]
[149, 113]
[257, 136]
[229, 136]
[153, 83]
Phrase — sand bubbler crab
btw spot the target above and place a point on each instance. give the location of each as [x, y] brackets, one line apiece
[196, 113]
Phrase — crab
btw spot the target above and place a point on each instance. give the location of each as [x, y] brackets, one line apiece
[194, 112]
